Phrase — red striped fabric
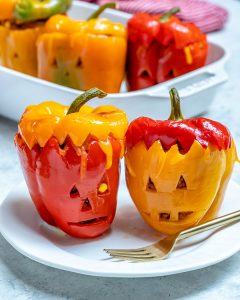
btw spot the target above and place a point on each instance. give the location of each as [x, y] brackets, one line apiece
[208, 16]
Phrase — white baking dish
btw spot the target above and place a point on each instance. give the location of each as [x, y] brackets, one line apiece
[196, 88]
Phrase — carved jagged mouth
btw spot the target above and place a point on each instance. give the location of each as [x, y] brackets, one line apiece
[165, 216]
[94, 221]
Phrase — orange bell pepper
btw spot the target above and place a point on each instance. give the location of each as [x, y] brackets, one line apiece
[82, 54]
[177, 170]
[70, 160]
[18, 49]
[18, 36]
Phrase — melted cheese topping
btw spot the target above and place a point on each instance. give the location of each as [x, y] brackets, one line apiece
[107, 149]
[40, 122]
[205, 171]
[188, 55]
[64, 24]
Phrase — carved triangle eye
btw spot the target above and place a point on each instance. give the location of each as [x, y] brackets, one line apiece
[74, 193]
[150, 185]
[144, 74]
[181, 183]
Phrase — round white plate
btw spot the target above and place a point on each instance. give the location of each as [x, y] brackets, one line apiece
[24, 230]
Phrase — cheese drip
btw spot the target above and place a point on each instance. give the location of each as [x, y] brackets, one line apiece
[41, 122]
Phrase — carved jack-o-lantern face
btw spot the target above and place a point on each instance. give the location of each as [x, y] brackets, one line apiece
[72, 189]
[173, 191]
[70, 159]
[177, 170]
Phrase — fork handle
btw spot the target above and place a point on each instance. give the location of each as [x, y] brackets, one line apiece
[218, 222]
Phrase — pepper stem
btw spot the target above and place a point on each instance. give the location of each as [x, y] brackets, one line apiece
[101, 8]
[167, 15]
[84, 98]
[176, 113]
[32, 10]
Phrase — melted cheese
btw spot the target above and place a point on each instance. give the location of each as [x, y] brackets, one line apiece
[188, 55]
[205, 171]
[40, 122]
[83, 163]
[98, 26]
[107, 149]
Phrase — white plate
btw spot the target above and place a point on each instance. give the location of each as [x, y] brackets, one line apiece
[23, 229]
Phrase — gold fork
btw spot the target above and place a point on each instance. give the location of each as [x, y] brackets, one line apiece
[163, 248]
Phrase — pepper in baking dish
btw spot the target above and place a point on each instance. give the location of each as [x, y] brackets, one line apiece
[18, 49]
[70, 160]
[31, 10]
[21, 22]
[82, 54]
[161, 48]
[177, 170]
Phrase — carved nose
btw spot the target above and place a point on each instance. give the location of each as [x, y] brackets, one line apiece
[86, 205]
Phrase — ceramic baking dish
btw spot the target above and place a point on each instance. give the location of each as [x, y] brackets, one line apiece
[196, 88]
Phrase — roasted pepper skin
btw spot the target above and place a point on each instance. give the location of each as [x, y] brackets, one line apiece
[159, 51]
[71, 165]
[83, 54]
[177, 171]
[51, 173]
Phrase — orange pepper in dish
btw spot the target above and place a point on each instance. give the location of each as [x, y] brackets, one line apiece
[20, 28]
[82, 54]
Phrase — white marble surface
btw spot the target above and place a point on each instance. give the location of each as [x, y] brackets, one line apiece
[21, 278]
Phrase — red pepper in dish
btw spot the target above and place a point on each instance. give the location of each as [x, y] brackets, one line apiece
[161, 48]
[70, 160]
[177, 170]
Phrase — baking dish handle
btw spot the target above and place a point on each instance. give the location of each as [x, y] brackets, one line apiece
[190, 84]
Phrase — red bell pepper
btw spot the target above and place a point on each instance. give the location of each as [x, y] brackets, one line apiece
[71, 163]
[161, 48]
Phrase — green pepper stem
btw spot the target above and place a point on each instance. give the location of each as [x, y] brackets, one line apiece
[101, 8]
[84, 98]
[167, 15]
[32, 10]
[176, 113]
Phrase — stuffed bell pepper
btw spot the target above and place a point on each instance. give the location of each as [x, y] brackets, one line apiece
[83, 54]
[21, 22]
[70, 160]
[177, 170]
[161, 48]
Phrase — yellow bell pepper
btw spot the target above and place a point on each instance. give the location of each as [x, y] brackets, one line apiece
[177, 170]
[82, 54]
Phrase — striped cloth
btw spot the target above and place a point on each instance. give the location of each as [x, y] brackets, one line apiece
[208, 16]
